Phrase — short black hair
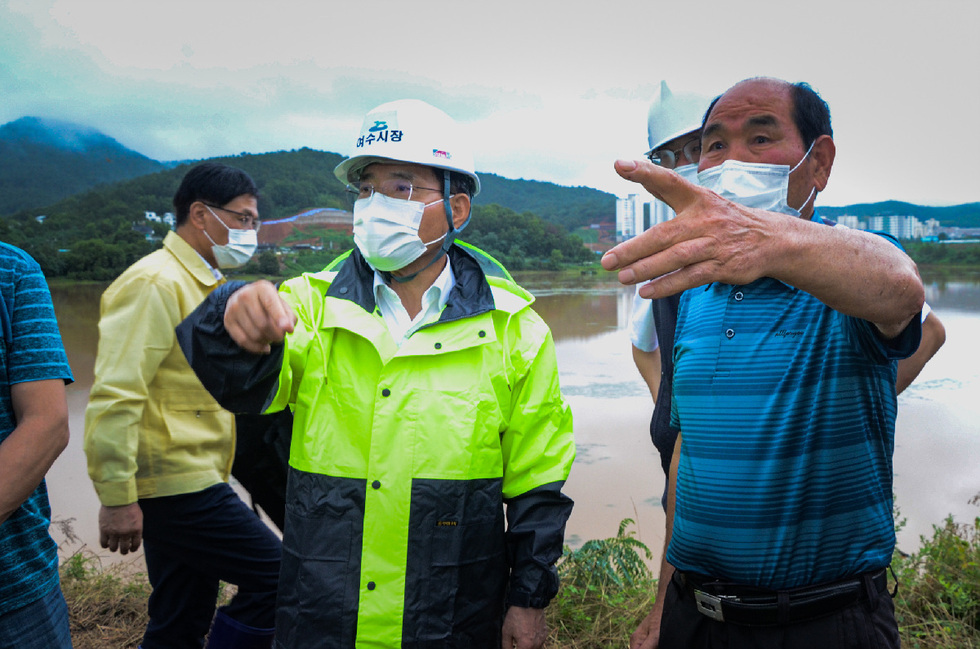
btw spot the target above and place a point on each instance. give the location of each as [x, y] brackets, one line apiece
[459, 183]
[811, 114]
[214, 183]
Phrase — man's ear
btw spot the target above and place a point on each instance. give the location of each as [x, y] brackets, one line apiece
[196, 215]
[461, 208]
[823, 153]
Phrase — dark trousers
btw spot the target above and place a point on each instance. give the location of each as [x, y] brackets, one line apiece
[866, 624]
[192, 541]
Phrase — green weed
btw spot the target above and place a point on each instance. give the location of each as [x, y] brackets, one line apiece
[938, 600]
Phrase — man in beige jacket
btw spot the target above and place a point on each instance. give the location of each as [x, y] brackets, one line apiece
[160, 448]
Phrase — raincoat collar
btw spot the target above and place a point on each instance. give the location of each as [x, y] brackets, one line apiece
[470, 296]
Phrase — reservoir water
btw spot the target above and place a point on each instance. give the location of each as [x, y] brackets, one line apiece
[617, 473]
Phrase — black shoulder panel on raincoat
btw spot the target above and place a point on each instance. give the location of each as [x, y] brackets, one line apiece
[240, 381]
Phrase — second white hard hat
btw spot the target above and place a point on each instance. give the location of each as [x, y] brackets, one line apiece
[410, 130]
[673, 115]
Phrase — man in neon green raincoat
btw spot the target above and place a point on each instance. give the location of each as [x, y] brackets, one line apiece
[425, 394]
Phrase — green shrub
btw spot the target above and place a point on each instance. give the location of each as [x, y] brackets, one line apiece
[617, 561]
[606, 591]
[938, 600]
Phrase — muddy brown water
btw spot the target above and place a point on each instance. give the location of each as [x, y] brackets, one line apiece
[617, 473]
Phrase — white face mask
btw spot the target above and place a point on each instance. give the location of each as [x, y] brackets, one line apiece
[239, 249]
[753, 184]
[386, 231]
[688, 172]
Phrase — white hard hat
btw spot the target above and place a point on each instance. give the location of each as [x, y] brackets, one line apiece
[410, 130]
[673, 115]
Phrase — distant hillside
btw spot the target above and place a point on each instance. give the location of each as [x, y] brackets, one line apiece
[292, 181]
[96, 226]
[42, 161]
[960, 216]
[570, 207]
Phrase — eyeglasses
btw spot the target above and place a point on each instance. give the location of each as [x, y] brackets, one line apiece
[392, 188]
[249, 221]
[668, 158]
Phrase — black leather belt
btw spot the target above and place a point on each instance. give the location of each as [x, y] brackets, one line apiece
[750, 606]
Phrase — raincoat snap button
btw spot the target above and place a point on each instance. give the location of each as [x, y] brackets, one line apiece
[371, 585]
[376, 484]
[343, 290]
[482, 334]
[386, 392]
[438, 345]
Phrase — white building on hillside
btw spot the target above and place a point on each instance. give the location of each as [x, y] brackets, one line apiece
[660, 212]
[629, 217]
[903, 227]
[852, 222]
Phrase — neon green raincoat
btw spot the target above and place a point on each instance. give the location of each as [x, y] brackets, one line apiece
[402, 458]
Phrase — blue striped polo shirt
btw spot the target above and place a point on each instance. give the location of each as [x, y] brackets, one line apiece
[31, 351]
[787, 411]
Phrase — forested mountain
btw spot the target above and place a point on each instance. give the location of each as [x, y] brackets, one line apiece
[42, 161]
[88, 232]
[570, 207]
[91, 236]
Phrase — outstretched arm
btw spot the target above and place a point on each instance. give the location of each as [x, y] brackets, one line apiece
[714, 240]
[256, 317]
[233, 342]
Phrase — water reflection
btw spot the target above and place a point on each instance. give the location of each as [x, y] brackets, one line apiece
[617, 473]
[77, 309]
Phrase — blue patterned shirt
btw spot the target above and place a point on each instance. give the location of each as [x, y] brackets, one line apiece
[787, 411]
[31, 350]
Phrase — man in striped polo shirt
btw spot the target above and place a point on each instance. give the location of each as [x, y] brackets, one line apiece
[780, 508]
[33, 433]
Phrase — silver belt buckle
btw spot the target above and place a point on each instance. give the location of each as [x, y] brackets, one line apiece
[710, 605]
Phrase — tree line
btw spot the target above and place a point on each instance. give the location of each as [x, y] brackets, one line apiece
[943, 254]
[90, 236]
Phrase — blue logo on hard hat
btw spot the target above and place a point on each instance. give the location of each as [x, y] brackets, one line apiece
[379, 133]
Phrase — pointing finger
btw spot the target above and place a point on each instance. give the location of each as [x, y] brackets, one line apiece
[664, 185]
[660, 182]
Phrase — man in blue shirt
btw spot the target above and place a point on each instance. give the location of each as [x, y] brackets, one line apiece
[779, 512]
[33, 433]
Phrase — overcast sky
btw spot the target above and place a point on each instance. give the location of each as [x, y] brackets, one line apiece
[552, 91]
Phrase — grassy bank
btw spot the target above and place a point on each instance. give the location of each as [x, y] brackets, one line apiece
[606, 591]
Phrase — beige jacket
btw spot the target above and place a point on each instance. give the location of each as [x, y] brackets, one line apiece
[151, 429]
